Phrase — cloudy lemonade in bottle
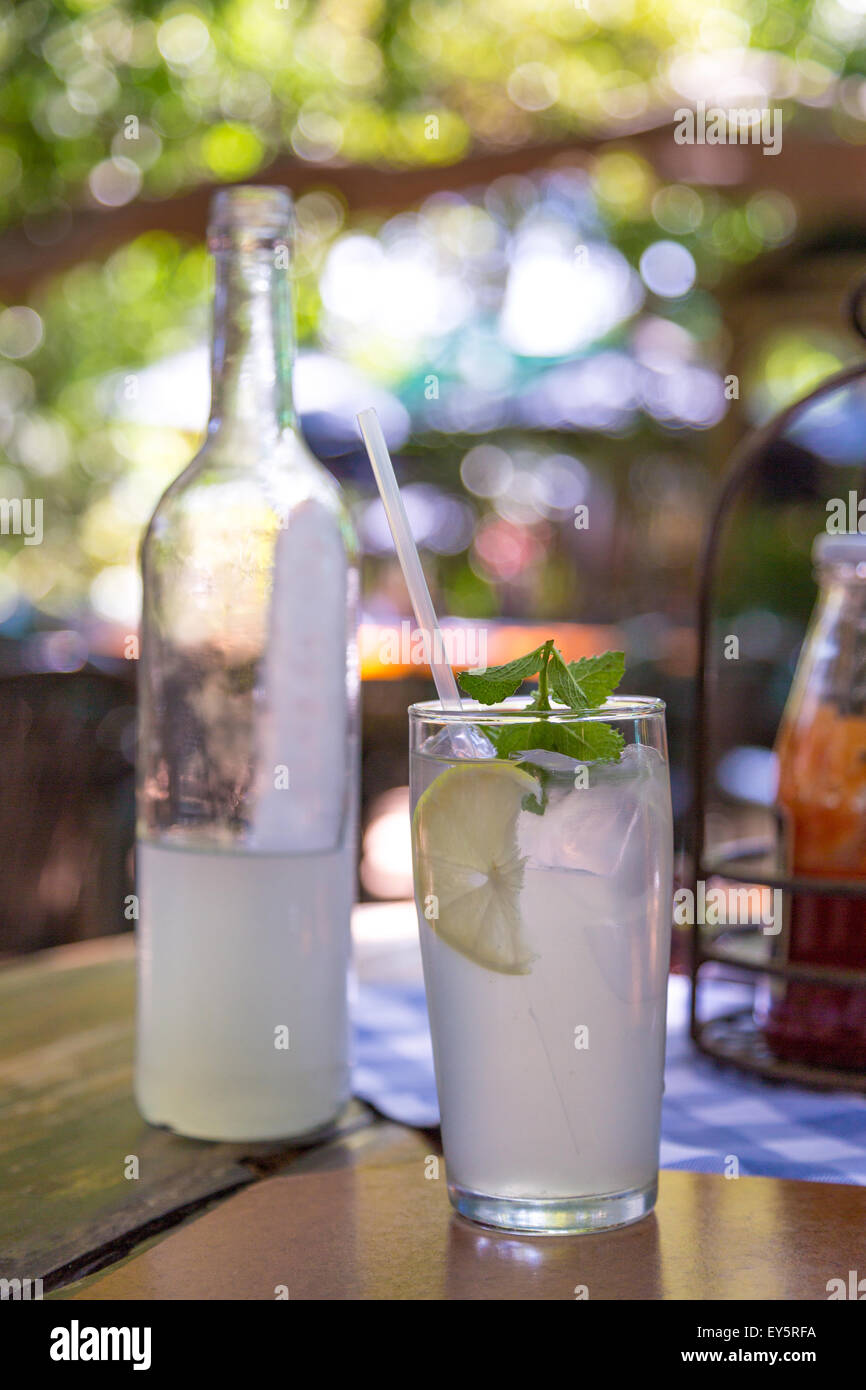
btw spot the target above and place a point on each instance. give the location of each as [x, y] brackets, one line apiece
[247, 738]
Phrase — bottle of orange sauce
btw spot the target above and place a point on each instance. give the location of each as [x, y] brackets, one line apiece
[821, 751]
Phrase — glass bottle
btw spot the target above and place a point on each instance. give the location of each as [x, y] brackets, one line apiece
[247, 779]
[821, 751]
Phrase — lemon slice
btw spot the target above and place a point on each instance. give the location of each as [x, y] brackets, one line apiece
[468, 872]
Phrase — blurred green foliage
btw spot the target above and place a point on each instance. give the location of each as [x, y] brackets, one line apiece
[103, 102]
[180, 92]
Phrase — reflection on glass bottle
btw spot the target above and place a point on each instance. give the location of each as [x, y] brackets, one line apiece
[822, 790]
[247, 737]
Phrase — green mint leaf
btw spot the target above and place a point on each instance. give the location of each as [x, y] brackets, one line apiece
[563, 684]
[530, 802]
[586, 742]
[496, 683]
[515, 738]
[598, 743]
[595, 677]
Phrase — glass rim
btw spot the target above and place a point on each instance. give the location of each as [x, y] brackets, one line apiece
[617, 707]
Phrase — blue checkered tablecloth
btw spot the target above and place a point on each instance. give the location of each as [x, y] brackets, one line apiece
[709, 1112]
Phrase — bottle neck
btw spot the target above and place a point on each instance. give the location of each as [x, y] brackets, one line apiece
[253, 340]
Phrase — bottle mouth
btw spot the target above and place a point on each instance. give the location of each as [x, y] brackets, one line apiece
[249, 211]
[843, 550]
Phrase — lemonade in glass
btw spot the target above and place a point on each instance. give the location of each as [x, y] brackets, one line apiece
[543, 887]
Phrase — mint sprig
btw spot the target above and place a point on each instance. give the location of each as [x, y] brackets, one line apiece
[494, 684]
[578, 685]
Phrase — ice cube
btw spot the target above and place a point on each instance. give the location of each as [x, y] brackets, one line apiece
[614, 838]
[589, 828]
[638, 760]
[584, 829]
[547, 759]
[459, 741]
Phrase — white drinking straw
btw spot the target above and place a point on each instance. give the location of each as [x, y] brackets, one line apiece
[425, 616]
[407, 554]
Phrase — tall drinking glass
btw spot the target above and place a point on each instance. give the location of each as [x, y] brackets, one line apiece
[543, 888]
